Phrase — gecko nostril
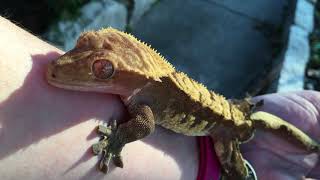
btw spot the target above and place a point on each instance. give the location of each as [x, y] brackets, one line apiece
[53, 75]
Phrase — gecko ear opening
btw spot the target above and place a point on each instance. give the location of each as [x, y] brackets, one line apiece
[102, 69]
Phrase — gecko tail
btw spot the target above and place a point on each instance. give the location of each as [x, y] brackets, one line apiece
[269, 122]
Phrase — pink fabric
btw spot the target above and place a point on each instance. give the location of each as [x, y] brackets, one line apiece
[209, 166]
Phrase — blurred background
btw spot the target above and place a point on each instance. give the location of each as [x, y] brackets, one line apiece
[233, 47]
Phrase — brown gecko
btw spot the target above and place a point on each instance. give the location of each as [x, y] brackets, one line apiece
[115, 62]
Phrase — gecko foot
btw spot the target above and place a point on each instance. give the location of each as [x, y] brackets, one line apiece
[109, 146]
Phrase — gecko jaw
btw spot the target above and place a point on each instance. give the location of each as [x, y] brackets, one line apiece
[79, 87]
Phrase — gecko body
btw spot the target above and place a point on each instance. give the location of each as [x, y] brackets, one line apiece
[111, 61]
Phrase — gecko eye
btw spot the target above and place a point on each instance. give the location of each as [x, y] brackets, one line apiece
[102, 69]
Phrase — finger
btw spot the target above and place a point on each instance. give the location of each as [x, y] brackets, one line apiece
[294, 108]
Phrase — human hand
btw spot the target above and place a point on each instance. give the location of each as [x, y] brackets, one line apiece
[275, 158]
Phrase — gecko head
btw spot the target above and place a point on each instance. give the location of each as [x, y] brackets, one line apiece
[106, 61]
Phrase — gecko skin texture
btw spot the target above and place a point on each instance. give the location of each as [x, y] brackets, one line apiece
[111, 61]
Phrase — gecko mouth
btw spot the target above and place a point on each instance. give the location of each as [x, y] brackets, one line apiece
[62, 81]
[77, 86]
[70, 84]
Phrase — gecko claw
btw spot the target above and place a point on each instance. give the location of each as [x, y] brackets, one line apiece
[113, 125]
[117, 161]
[255, 106]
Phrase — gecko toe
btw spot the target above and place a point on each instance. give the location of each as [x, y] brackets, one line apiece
[104, 162]
[109, 146]
[117, 161]
[107, 130]
[110, 152]
[98, 147]
[104, 130]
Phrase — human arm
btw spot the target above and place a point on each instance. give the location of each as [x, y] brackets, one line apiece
[47, 132]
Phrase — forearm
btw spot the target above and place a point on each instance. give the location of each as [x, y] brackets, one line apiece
[18, 48]
[46, 132]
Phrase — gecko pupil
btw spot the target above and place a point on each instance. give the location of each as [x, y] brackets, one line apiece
[102, 69]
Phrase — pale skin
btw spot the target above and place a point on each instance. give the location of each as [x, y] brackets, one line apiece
[46, 132]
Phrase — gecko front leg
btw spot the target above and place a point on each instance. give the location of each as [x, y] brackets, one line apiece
[115, 137]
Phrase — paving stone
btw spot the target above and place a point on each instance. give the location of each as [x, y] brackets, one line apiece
[298, 51]
[297, 55]
[221, 49]
[141, 7]
[304, 15]
[216, 42]
[264, 10]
